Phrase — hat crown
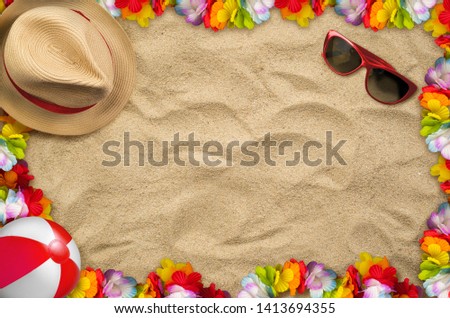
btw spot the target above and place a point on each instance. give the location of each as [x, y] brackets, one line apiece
[57, 55]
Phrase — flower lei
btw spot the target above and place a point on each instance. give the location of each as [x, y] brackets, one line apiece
[368, 277]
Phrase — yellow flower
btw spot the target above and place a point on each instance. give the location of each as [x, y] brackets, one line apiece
[436, 106]
[282, 280]
[142, 17]
[440, 170]
[437, 250]
[86, 287]
[388, 12]
[303, 16]
[2, 6]
[288, 279]
[367, 261]
[433, 23]
[228, 12]
[12, 129]
[168, 267]
[430, 100]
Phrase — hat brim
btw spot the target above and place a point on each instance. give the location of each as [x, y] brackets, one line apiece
[94, 118]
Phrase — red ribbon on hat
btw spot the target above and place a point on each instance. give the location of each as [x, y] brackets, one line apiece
[54, 108]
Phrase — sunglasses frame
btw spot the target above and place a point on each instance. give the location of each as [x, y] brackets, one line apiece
[369, 61]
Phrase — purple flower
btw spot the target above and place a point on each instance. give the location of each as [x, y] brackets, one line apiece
[440, 220]
[353, 10]
[194, 10]
[439, 76]
[319, 279]
[117, 286]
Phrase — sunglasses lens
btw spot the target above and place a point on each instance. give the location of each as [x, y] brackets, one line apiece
[341, 55]
[385, 86]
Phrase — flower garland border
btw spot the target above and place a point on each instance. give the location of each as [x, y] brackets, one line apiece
[368, 277]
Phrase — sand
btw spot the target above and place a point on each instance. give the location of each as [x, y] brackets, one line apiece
[240, 85]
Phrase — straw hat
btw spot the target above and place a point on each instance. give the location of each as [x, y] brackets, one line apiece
[67, 67]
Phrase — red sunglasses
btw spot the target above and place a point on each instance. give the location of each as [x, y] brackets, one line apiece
[383, 82]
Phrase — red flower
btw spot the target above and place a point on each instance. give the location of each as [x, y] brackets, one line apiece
[366, 18]
[134, 5]
[211, 292]
[355, 280]
[433, 233]
[447, 164]
[446, 187]
[157, 284]
[432, 89]
[8, 2]
[23, 178]
[317, 7]
[207, 17]
[444, 17]
[385, 276]
[293, 5]
[406, 290]
[303, 269]
[158, 6]
[190, 282]
[443, 40]
[100, 279]
[32, 198]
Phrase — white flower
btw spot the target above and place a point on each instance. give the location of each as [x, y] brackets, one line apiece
[177, 291]
[7, 159]
[253, 287]
[259, 9]
[419, 9]
[375, 289]
[439, 285]
[13, 207]
[440, 141]
[109, 5]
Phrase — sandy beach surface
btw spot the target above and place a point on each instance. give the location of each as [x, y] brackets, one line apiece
[238, 85]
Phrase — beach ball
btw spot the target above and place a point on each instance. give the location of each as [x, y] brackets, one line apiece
[38, 258]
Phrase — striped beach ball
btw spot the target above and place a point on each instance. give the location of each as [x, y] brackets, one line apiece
[38, 258]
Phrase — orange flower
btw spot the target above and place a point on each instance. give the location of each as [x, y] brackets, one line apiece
[217, 6]
[146, 290]
[349, 286]
[374, 22]
[429, 99]
[8, 179]
[295, 282]
[86, 287]
[443, 244]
